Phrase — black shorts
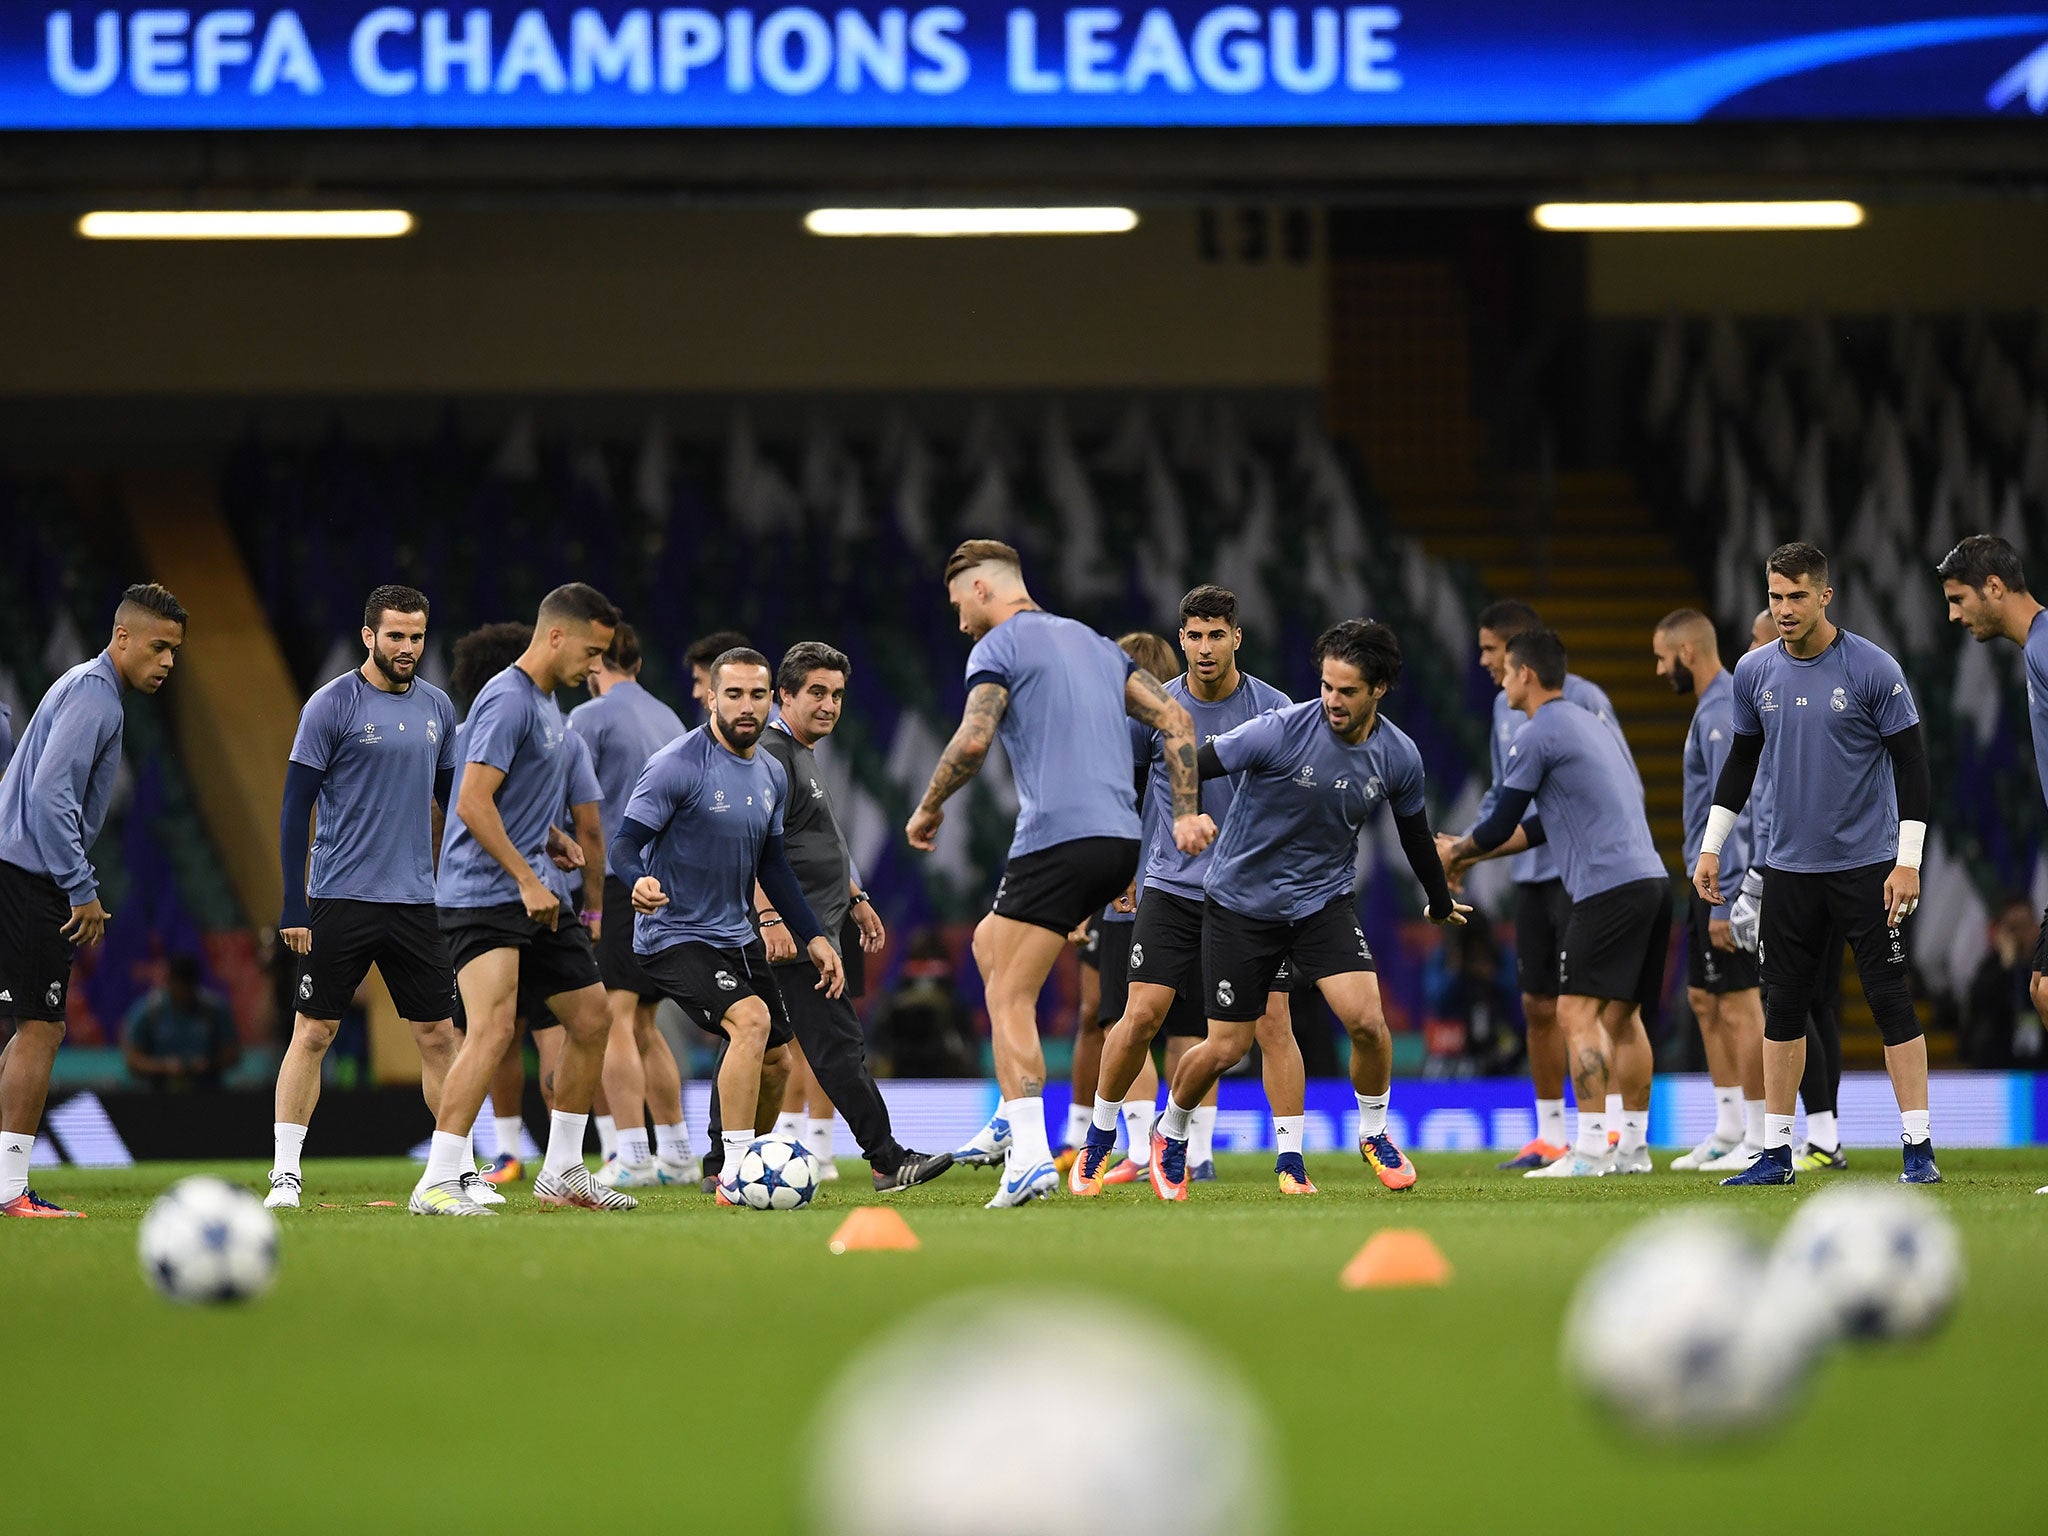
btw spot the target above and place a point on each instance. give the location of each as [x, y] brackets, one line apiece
[617, 966]
[1805, 919]
[551, 960]
[1713, 970]
[1061, 886]
[1243, 957]
[1113, 959]
[35, 957]
[1090, 953]
[1542, 908]
[1168, 940]
[404, 943]
[1614, 945]
[706, 980]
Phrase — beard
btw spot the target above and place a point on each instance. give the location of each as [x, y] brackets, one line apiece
[739, 734]
[389, 668]
[1681, 678]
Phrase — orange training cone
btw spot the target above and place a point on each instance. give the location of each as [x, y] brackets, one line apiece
[1396, 1256]
[873, 1226]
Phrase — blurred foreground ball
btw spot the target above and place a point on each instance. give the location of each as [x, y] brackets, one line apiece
[968, 1418]
[1871, 1261]
[1674, 1333]
[204, 1240]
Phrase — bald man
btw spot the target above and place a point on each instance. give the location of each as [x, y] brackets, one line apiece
[1721, 980]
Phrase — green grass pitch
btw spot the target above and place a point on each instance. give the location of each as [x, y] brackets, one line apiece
[562, 1371]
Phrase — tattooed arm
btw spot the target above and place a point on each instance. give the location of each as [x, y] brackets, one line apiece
[961, 760]
[1145, 700]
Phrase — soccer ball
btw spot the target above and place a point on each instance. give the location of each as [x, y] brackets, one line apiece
[1673, 1332]
[205, 1240]
[1870, 1262]
[776, 1174]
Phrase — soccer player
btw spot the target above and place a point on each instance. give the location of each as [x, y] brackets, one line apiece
[504, 925]
[1166, 943]
[1721, 977]
[374, 756]
[1611, 956]
[53, 803]
[1820, 1085]
[1986, 588]
[704, 825]
[1541, 906]
[1832, 714]
[624, 725]
[811, 683]
[1059, 694]
[1282, 884]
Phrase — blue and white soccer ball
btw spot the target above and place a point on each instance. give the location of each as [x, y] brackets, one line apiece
[1673, 1332]
[204, 1240]
[1870, 1261]
[777, 1174]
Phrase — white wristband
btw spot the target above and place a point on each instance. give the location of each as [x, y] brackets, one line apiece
[1912, 838]
[1720, 822]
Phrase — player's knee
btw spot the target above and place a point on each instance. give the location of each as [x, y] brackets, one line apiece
[1784, 1017]
[2038, 990]
[1704, 1008]
[316, 1035]
[1891, 1005]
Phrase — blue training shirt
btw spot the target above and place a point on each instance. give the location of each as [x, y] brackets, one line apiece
[1589, 799]
[373, 836]
[1166, 866]
[712, 812]
[2034, 656]
[1303, 794]
[1539, 864]
[1707, 741]
[584, 789]
[60, 781]
[623, 729]
[1824, 720]
[519, 730]
[1064, 730]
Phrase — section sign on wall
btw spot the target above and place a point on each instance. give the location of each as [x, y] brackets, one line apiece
[349, 64]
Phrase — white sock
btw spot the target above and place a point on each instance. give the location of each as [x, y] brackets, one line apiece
[1372, 1113]
[1138, 1117]
[818, 1137]
[1821, 1131]
[444, 1158]
[16, 1147]
[1550, 1122]
[1635, 1129]
[633, 1146]
[1104, 1115]
[1916, 1125]
[1592, 1135]
[1079, 1118]
[1028, 1146]
[736, 1144]
[469, 1150]
[672, 1142]
[290, 1141]
[1727, 1116]
[1173, 1124]
[511, 1130]
[565, 1142]
[1202, 1134]
[1614, 1109]
[1777, 1131]
[789, 1123]
[607, 1137]
[1753, 1121]
[1287, 1133]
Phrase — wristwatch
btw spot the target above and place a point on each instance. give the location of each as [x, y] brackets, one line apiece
[860, 898]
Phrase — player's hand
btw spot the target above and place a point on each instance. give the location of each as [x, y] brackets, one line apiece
[831, 970]
[647, 895]
[923, 828]
[872, 934]
[1080, 934]
[1455, 918]
[1128, 902]
[1192, 834]
[88, 923]
[1706, 878]
[780, 942]
[1901, 894]
[1744, 915]
[1721, 934]
[542, 904]
[564, 850]
[298, 940]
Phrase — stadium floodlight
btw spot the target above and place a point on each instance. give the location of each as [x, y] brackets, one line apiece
[929, 222]
[1612, 217]
[247, 224]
